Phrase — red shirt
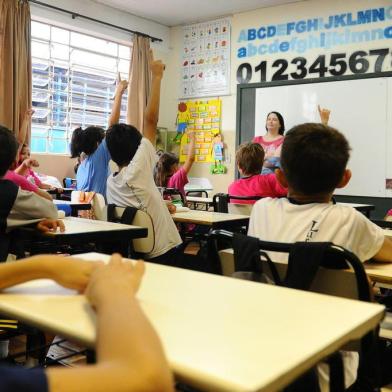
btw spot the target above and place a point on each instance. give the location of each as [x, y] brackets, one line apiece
[257, 185]
[178, 180]
[21, 181]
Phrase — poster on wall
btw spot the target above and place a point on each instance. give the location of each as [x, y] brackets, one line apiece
[328, 41]
[203, 118]
[206, 59]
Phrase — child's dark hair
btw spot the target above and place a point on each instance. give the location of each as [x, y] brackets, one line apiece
[281, 121]
[250, 158]
[123, 141]
[163, 168]
[314, 158]
[85, 140]
[8, 149]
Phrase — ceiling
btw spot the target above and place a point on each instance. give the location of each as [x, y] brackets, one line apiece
[179, 12]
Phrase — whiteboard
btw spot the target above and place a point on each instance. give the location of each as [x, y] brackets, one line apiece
[360, 108]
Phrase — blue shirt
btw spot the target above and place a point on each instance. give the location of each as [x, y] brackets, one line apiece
[94, 170]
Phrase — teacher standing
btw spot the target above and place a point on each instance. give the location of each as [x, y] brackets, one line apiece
[272, 141]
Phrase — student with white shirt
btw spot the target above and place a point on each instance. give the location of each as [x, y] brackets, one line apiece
[313, 164]
[134, 184]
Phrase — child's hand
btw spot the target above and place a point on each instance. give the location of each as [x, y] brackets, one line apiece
[29, 162]
[172, 208]
[122, 85]
[324, 115]
[71, 272]
[157, 67]
[118, 278]
[50, 225]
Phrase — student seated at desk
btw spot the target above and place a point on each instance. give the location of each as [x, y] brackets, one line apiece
[90, 143]
[249, 159]
[129, 354]
[25, 165]
[134, 184]
[167, 174]
[313, 165]
[17, 206]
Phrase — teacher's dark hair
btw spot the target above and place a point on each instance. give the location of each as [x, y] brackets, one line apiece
[314, 158]
[281, 122]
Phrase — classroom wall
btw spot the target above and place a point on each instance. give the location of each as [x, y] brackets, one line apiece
[246, 20]
[170, 52]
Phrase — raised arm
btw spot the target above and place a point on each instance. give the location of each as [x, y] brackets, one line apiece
[23, 129]
[191, 153]
[152, 112]
[324, 115]
[129, 352]
[116, 109]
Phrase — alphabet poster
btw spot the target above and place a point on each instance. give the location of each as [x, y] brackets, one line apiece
[206, 59]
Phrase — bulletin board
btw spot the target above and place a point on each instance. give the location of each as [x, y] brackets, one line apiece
[205, 120]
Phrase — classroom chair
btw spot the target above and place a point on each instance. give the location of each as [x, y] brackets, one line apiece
[173, 193]
[222, 203]
[331, 276]
[139, 246]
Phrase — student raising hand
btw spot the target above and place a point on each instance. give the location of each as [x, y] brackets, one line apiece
[324, 115]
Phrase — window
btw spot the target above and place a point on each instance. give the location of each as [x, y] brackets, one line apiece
[74, 79]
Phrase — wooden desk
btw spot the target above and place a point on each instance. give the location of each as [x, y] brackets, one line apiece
[364, 208]
[220, 334]
[82, 231]
[216, 220]
[75, 206]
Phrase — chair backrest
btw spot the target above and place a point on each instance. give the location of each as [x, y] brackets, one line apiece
[332, 281]
[340, 283]
[174, 193]
[223, 202]
[142, 219]
[99, 207]
[240, 209]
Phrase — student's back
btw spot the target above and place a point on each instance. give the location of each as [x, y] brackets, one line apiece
[134, 184]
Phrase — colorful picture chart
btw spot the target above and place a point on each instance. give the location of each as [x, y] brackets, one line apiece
[206, 59]
[204, 120]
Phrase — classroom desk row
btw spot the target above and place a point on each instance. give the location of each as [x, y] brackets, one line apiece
[219, 334]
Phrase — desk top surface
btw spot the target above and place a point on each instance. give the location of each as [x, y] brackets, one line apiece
[75, 225]
[221, 333]
[207, 218]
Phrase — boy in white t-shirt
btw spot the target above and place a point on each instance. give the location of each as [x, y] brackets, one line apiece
[313, 164]
[134, 184]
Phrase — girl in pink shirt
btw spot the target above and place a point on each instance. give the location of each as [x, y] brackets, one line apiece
[168, 174]
[25, 164]
[249, 158]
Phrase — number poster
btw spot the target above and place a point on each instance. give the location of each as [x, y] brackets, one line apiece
[206, 59]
